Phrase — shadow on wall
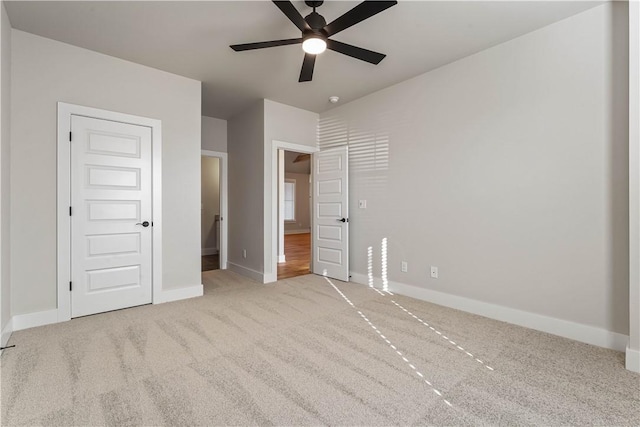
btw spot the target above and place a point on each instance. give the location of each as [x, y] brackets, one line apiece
[618, 166]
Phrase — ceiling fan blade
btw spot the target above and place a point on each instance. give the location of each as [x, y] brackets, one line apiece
[356, 52]
[306, 74]
[292, 13]
[363, 11]
[262, 45]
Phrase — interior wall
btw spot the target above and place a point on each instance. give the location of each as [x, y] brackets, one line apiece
[210, 190]
[246, 157]
[285, 124]
[5, 169]
[507, 169]
[214, 134]
[45, 72]
[303, 204]
[633, 350]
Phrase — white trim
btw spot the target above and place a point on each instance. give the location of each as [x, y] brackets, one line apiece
[247, 272]
[42, 318]
[271, 205]
[180, 294]
[6, 333]
[632, 360]
[209, 251]
[32, 320]
[299, 231]
[282, 258]
[224, 203]
[564, 328]
[65, 111]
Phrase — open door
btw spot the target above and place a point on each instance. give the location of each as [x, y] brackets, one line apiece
[331, 213]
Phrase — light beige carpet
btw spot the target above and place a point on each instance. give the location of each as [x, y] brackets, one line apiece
[303, 352]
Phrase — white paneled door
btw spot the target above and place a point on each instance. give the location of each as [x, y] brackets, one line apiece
[111, 219]
[331, 214]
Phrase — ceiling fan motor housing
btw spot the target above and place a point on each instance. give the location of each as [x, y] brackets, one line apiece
[314, 4]
[315, 21]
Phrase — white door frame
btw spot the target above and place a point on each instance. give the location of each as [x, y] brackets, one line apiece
[65, 111]
[272, 276]
[223, 204]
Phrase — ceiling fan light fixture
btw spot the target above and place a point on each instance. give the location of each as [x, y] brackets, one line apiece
[316, 33]
[314, 45]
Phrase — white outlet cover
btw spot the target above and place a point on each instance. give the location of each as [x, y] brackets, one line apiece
[434, 272]
[404, 266]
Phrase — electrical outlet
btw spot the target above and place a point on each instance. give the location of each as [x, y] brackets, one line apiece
[405, 266]
[244, 253]
[434, 272]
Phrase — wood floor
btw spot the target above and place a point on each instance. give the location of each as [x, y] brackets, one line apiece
[297, 251]
[210, 262]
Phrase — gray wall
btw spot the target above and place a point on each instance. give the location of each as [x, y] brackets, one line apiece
[5, 167]
[303, 203]
[246, 155]
[210, 190]
[214, 134]
[507, 169]
[250, 136]
[45, 72]
[634, 183]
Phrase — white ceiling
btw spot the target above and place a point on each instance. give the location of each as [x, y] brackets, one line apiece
[192, 39]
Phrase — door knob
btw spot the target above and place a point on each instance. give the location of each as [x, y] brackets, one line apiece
[343, 220]
[144, 223]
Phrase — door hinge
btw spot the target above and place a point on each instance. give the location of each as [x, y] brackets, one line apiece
[70, 286]
[69, 210]
[70, 138]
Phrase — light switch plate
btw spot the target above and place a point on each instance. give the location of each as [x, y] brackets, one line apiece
[362, 204]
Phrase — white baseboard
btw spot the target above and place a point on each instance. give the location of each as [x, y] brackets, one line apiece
[632, 360]
[564, 328]
[282, 258]
[209, 251]
[41, 318]
[298, 231]
[247, 272]
[180, 294]
[32, 320]
[6, 333]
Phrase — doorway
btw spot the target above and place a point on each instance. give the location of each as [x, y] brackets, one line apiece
[329, 211]
[210, 212]
[213, 209]
[294, 199]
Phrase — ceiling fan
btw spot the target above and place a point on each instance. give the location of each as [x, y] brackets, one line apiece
[316, 32]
